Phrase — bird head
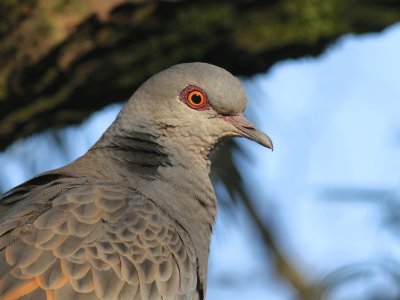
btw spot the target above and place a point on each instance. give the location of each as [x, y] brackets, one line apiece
[194, 105]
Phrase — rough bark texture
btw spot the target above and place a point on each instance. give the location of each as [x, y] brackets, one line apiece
[61, 60]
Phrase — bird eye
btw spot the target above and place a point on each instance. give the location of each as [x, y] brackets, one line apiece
[194, 97]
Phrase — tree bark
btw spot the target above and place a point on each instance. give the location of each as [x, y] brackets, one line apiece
[62, 60]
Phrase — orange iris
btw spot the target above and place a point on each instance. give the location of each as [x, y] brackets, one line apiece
[196, 99]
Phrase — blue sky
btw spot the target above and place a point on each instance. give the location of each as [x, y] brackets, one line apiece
[335, 123]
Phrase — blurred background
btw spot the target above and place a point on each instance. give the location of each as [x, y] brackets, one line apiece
[318, 218]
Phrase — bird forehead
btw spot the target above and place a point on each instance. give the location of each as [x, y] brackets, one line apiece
[224, 91]
[227, 96]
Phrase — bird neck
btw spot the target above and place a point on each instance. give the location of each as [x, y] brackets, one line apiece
[175, 179]
[165, 170]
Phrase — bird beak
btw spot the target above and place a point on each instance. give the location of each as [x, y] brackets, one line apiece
[248, 130]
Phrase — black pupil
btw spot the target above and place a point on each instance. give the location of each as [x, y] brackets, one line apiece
[196, 99]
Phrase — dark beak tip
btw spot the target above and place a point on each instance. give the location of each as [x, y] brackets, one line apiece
[269, 145]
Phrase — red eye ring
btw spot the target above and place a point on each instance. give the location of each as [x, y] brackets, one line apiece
[195, 98]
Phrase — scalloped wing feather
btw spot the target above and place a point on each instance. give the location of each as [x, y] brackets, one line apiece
[91, 241]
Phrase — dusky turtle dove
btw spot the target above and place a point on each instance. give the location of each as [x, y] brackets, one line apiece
[132, 218]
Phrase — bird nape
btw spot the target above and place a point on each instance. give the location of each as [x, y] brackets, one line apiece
[132, 218]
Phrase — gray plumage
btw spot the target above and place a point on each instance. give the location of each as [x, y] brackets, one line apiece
[132, 218]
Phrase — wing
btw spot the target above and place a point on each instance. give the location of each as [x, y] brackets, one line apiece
[92, 241]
